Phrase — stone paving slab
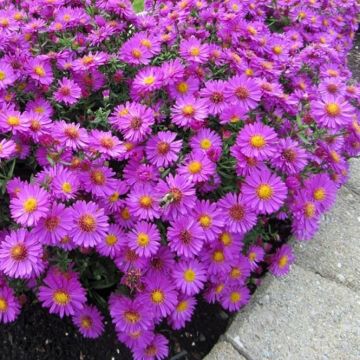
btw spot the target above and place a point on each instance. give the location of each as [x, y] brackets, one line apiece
[302, 316]
[334, 252]
[354, 180]
[224, 351]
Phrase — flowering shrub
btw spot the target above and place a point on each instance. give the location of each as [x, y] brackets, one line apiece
[148, 154]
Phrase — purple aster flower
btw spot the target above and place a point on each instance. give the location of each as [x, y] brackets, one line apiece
[189, 111]
[144, 239]
[30, 205]
[243, 91]
[133, 52]
[158, 349]
[112, 242]
[105, 143]
[184, 87]
[183, 311]
[7, 76]
[7, 148]
[99, 181]
[143, 203]
[173, 71]
[40, 106]
[159, 295]
[62, 294]
[70, 135]
[281, 260]
[239, 216]
[185, 236]
[130, 315]
[214, 93]
[129, 260]
[290, 157]
[39, 125]
[136, 339]
[90, 61]
[332, 112]
[217, 259]
[306, 215]
[40, 71]
[162, 262]
[255, 255]
[257, 141]
[234, 297]
[322, 191]
[239, 271]
[68, 92]
[135, 123]
[210, 218]
[89, 224]
[198, 167]
[13, 121]
[206, 140]
[9, 305]
[264, 192]
[189, 276]
[65, 184]
[193, 50]
[177, 196]
[162, 149]
[55, 225]
[137, 172]
[89, 321]
[147, 80]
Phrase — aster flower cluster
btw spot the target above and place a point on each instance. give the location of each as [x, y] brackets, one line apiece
[143, 153]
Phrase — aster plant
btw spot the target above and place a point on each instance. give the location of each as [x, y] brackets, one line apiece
[145, 158]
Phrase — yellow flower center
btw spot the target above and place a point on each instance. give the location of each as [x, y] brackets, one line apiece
[237, 212]
[309, 210]
[157, 296]
[111, 239]
[136, 53]
[249, 72]
[242, 93]
[3, 304]
[18, 252]
[87, 60]
[188, 110]
[181, 307]
[146, 201]
[143, 239]
[86, 322]
[234, 119]
[107, 142]
[132, 316]
[235, 273]
[218, 256]
[13, 120]
[114, 197]
[87, 223]
[182, 87]
[319, 194]
[125, 214]
[162, 147]
[252, 256]
[283, 261]
[333, 109]
[264, 191]
[205, 221]
[149, 80]
[225, 238]
[335, 156]
[2, 75]
[277, 50]
[195, 167]
[205, 144]
[235, 297]
[219, 288]
[30, 205]
[195, 51]
[61, 297]
[71, 132]
[189, 275]
[66, 187]
[39, 70]
[257, 141]
[97, 177]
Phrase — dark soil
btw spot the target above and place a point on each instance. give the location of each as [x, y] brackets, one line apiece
[37, 335]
